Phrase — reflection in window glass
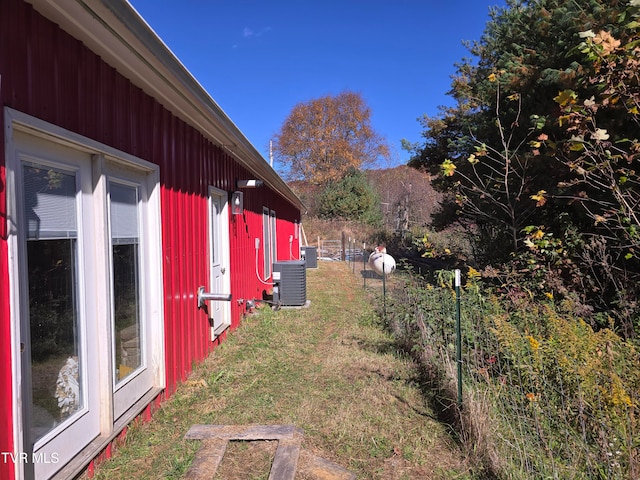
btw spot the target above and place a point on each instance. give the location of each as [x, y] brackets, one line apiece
[126, 284]
[50, 210]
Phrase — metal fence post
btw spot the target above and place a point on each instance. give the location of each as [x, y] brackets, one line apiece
[458, 338]
[364, 266]
[384, 292]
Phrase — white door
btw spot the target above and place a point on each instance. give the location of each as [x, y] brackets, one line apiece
[55, 313]
[219, 311]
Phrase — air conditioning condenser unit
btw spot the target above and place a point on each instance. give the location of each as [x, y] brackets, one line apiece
[290, 283]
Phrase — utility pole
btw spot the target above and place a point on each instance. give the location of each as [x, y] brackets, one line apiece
[271, 153]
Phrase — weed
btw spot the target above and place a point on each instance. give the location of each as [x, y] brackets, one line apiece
[545, 394]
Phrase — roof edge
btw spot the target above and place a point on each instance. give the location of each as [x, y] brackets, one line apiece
[116, 32]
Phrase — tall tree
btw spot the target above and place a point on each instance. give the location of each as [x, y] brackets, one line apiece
[321, 140]
[542, 147]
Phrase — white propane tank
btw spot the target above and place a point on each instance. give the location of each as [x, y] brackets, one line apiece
[380, 261]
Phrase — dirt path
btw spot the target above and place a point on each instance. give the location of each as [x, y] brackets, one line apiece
[327, 369]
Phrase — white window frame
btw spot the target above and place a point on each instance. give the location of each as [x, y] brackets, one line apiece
[135, 385]
[87, 419]
[269, 241]
[105, 161]
[274, 237]
[223, 250]
[266, 243]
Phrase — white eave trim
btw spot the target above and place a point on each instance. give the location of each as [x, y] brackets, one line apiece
[115, 31]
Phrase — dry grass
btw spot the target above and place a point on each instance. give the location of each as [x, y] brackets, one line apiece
[247, 461]
[329, 369]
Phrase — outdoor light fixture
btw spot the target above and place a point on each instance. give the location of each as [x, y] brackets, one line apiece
[237, 203]
[249, 183]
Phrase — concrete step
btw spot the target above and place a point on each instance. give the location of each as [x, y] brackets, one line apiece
[289, 461]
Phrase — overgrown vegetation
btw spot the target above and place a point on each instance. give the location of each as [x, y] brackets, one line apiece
[541, 153]
[545, 395]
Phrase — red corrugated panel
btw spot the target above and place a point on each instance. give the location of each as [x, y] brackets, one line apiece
[6, 420]
[48, 74]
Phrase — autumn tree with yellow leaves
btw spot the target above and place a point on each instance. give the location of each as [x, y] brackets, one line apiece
[542, 150]
[323, 139]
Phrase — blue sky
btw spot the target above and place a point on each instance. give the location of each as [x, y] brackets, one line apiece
[259, 58]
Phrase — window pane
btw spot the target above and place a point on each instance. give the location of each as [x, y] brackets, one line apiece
[215, 230]
[126, 279]
[56, 372]
[49, 203]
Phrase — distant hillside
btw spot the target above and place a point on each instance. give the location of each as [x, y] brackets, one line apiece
[406, 195]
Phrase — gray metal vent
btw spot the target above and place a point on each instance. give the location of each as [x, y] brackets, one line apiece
[291, 277]
[310, 255]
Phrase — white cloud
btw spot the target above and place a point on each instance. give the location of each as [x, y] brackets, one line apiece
[248, 32]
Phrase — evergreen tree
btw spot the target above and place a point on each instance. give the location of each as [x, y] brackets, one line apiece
[541, 148]
[351, 198]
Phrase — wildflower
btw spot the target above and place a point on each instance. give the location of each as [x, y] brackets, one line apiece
[549, 295]
[600, 134]
[473, 273]
[531, 397]
[535, 344]
[586, 34]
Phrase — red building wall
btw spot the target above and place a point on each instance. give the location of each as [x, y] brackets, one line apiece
[46, 73]
[6, 429]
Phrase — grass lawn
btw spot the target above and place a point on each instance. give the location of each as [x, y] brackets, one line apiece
[328, 369]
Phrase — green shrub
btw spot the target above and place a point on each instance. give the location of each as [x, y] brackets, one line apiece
[351, 198]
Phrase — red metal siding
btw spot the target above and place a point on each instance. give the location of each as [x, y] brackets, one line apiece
[50, 75]
[6, 387]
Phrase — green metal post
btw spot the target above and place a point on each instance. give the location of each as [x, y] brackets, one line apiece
[353, 252]
[458, 338]
[384, 291]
